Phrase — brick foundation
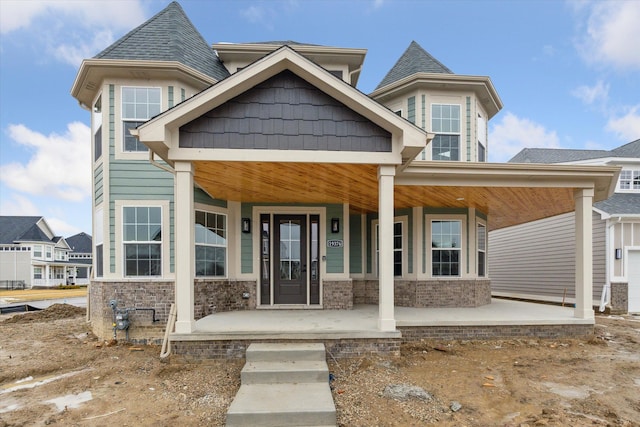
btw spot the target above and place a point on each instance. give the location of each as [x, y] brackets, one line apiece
[337, 295]
[428, 293]
[619, 298]
[416, 333]
[215, 296]
[200, 351]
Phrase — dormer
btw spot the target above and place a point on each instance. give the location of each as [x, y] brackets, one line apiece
[344, 63]
[455, 107]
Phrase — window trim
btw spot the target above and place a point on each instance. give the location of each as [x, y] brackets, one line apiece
[120, 152]
[458, 133]
[464, 243]
[485, 250]
[165, 262]
[209, 209]
[633, 174]
[404, 221]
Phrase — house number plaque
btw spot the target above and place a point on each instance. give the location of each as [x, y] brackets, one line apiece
[335, 243]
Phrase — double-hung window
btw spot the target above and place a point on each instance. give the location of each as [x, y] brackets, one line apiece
[446, 237]
[445, 123]
[37, 251]
[142, 239]
[630, 180]
[211, 244]
[139, 104]
[482, 250]
[397, 248]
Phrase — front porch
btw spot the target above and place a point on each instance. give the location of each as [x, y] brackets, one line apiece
[355, 333]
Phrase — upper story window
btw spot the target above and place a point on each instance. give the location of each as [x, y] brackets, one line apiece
[481, 128]
[445, 123]
[139, 104]
[629, 180]
[60, 255]
[97, 129]
[211, 244]
[47, 251]
[37, 251]
[142, 238]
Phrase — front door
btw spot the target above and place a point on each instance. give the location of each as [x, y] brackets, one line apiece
[290, 259]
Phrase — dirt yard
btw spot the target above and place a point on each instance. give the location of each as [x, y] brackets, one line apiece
[53, 371]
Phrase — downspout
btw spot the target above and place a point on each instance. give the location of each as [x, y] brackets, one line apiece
[153, 161]
[351, 73]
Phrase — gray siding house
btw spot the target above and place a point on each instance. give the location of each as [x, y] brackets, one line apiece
[535, 260]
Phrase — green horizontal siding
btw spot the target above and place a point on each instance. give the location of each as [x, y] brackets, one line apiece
[355, 244]
[98, 184]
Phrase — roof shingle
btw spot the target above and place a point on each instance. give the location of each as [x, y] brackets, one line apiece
[414, 60]
[168, 36]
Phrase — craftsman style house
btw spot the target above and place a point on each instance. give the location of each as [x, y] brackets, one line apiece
[31, 255]
[255, 176]
[616, 239]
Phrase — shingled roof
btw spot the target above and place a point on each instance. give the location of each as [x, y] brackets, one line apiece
[80, 243]
[414, 60]
[168, 36]
[620, 204]
[559, 155]
[21, 229]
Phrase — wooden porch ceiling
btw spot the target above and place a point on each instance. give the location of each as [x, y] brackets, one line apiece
[357, 185]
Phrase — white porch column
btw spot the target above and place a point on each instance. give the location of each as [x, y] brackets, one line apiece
[584, 260]
[184, 247]
[386, 315]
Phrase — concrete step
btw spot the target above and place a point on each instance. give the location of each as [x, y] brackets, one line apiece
[304, 371]
[279, 352]
[300, 404]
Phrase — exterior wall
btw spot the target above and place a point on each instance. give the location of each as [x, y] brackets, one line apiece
[624, 235]
[418, 333]
[428, 293]
[15, 265]
[337, 295]
[619, 298]
[537, 260]
[214, 296]
[158, 295]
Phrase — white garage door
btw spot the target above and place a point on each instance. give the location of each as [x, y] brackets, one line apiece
[634, 281]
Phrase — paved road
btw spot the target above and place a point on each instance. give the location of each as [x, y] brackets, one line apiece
[43, 298]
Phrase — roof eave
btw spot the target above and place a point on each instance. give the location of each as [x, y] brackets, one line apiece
[93, 71]
[481, 85]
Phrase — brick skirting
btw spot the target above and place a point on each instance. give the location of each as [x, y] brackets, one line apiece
[201, 351]
[428, 293]
[337, 295]
[416, 333]
[216, 296]
[619, 298]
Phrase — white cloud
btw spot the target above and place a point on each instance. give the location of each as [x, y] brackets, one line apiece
[626, 127]
[59, 166]
[611, 34]
[17, 205]
[513, 134]
[590, 95]
[70, 30]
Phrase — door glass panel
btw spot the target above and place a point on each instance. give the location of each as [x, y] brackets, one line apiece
[314, 250]
[290, 262]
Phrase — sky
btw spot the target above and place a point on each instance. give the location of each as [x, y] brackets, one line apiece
[568, 72]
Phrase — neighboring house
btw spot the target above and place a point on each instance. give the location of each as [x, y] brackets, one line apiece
[31, 255]
[256, 176]
[616, 239]
[81, 248]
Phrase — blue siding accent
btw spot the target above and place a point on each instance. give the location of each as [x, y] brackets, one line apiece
[200, 196]
[98, 189]
[355, 244]
[411, 109]
[369, 233]
[170, 96]
[468, 128]
[246, 241]
[335, 256]
[424, 111]
[112, 149]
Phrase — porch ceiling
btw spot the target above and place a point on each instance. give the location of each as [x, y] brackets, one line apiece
[507, 203]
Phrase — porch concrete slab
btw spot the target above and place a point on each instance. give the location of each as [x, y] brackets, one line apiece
[362, 321]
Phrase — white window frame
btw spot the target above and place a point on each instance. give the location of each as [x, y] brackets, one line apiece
[38, 272]
[48, 253]
[627, 183]
[119, 242]
[120, 126]
[429, 218]
[480, 249]
[457, 133]
[404, 223]
[38, 252]
[213, 245]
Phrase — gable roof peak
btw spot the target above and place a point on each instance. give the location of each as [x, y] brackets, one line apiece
[414, 60]
[168, 36]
